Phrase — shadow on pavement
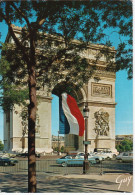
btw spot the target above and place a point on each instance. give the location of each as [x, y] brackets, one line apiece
[12, 183]
[75, 185]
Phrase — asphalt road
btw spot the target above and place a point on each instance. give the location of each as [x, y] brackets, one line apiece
[47, 164]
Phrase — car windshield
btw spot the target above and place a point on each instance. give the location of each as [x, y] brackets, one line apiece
[4, 158]
[68, 157]
[81, 154]
[125, 154]
[62, 157]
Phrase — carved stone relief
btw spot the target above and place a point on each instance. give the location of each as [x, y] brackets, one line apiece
[24, 122]
[101, 123]
[102, 73]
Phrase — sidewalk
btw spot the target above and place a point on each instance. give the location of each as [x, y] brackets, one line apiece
[107, 183]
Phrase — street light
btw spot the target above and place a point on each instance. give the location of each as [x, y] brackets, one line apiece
[86, 111]
[86, 116]
[58, 144]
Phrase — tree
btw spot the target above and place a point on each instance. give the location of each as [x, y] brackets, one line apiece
[84, 21]
[125, 146]
[62, 149]
[1, 146]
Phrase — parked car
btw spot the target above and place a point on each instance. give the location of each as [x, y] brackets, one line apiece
[113, 154]
[81, 153]
[91, 155]
[5, 161]
[72, 160]
[127, 157]
[9, 155]
[104, 155]
[98, 158]
[25, 154]
[1, 153]
[106, 152]
[118, 157]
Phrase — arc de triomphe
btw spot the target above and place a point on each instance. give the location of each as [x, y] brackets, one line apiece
[100, 96]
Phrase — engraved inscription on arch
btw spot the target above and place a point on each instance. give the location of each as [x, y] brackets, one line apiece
[101, 90]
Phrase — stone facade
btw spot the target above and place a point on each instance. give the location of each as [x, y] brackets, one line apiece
[100, 95]
[101, 121]
[101, 101]
[16, 134]
[58, 142]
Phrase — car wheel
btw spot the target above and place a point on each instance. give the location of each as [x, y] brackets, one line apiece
[114, 155]
[64, 164]
[5, 164]
[97, 160]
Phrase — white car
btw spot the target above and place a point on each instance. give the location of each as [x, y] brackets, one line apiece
[8, 155]
[127, 157]
[96, 157]
[114, 154]
[105, 155]
[118, 157]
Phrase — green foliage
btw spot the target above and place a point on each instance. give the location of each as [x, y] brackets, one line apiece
[12, 82]
[1, 146]
[126, 145]
[62, 149]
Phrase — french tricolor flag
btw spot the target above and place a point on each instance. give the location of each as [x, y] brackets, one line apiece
[71, 119]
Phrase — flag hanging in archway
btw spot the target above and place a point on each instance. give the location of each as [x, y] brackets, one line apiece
[71, 119]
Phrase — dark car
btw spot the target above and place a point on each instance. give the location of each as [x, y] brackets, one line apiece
[5, 161]
[25, 154]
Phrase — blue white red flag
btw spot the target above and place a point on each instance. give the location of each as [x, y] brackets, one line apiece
[71, 119]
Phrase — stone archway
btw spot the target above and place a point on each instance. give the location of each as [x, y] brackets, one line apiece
[69, 88]
[100, 96]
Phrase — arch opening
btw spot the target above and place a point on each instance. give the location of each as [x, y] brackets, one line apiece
[69, 88]
[71, 141]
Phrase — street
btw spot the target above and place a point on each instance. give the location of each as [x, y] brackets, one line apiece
[47, 164]
[51, 177]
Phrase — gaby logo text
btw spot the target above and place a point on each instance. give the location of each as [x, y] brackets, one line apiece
[123, 179]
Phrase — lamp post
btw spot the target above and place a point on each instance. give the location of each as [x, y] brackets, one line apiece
[86, 116]
[58, 144]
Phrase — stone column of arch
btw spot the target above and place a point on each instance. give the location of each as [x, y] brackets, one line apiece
[101, 103]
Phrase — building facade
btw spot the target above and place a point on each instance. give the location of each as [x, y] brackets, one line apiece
[120, 138]
[58, 142]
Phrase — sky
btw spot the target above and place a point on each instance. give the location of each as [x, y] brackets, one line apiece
[123, 98]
